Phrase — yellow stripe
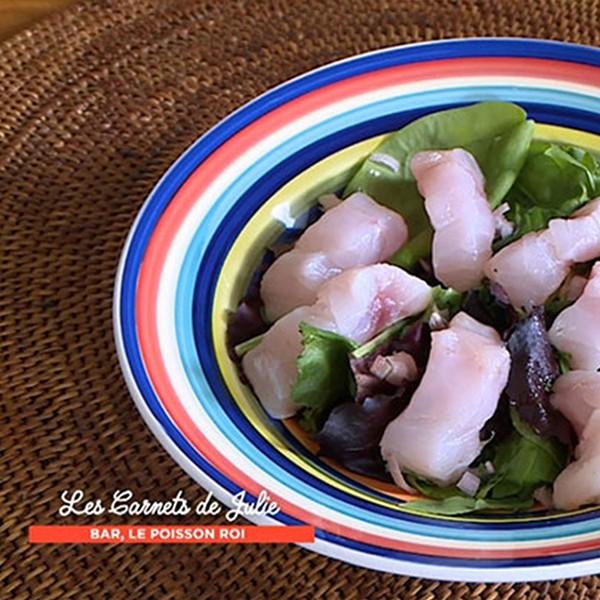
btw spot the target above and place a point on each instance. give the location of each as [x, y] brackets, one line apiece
[262, 230]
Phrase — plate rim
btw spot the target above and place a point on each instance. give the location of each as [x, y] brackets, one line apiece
[194, 471]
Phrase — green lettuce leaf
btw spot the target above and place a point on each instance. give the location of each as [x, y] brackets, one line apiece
[324, 375]
[496, 133]
[450, 500]
[554, 182]
[525, 461]
[431, 490]
[311, 418]
[460, 505]
[556, 304]
[446, 298]
[445, 301]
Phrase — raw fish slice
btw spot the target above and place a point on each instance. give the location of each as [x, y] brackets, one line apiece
[576, 330]
[577, 239]
[577, 394]
[528, 270]
[355, 233]
[533, 267]
[357, 304]
[579, 483]
[363, 301]
[453, 187]
[437, 436]
[467, 323]
[303, 273]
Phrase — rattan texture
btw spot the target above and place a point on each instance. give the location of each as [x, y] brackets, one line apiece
[95, 104]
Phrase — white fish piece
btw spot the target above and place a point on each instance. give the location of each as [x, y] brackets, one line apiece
[464, 225]
[533, 267]
[467, 370]
[576, 395]
[357, 232]
[577, 239]
[271, 365]
[303, 273]
[579, 483]
[358, 304]
[576, 330]
[528, 270]
[467, 323]
[363, 301]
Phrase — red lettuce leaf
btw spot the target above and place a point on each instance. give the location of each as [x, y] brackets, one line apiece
[352, 433]
[499, 425]
[533, 370]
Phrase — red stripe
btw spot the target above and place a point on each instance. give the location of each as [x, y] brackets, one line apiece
[197, 184]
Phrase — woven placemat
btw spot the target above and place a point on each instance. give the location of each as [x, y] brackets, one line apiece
[95, 103]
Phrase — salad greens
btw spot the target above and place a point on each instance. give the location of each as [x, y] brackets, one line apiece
[324, 376]
[245, 326]
[460, 505]
[490, 306]
[446, 302]
[525, 461]
[330, 368]
[394, 330]
[554, 182]
[496, 133]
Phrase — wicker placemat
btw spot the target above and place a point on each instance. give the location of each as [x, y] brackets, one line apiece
[95, 104]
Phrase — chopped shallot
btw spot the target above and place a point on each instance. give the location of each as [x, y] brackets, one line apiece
[504, 228]
[386, 160]
[396, 368]
[469, 483]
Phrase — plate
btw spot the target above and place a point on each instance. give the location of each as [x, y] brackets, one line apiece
[200, 235]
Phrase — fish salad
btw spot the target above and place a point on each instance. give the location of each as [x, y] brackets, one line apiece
[437, 322]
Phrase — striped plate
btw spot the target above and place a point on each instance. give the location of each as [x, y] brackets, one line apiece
[201, 233]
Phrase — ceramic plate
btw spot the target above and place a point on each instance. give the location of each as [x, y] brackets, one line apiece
[203, 231]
